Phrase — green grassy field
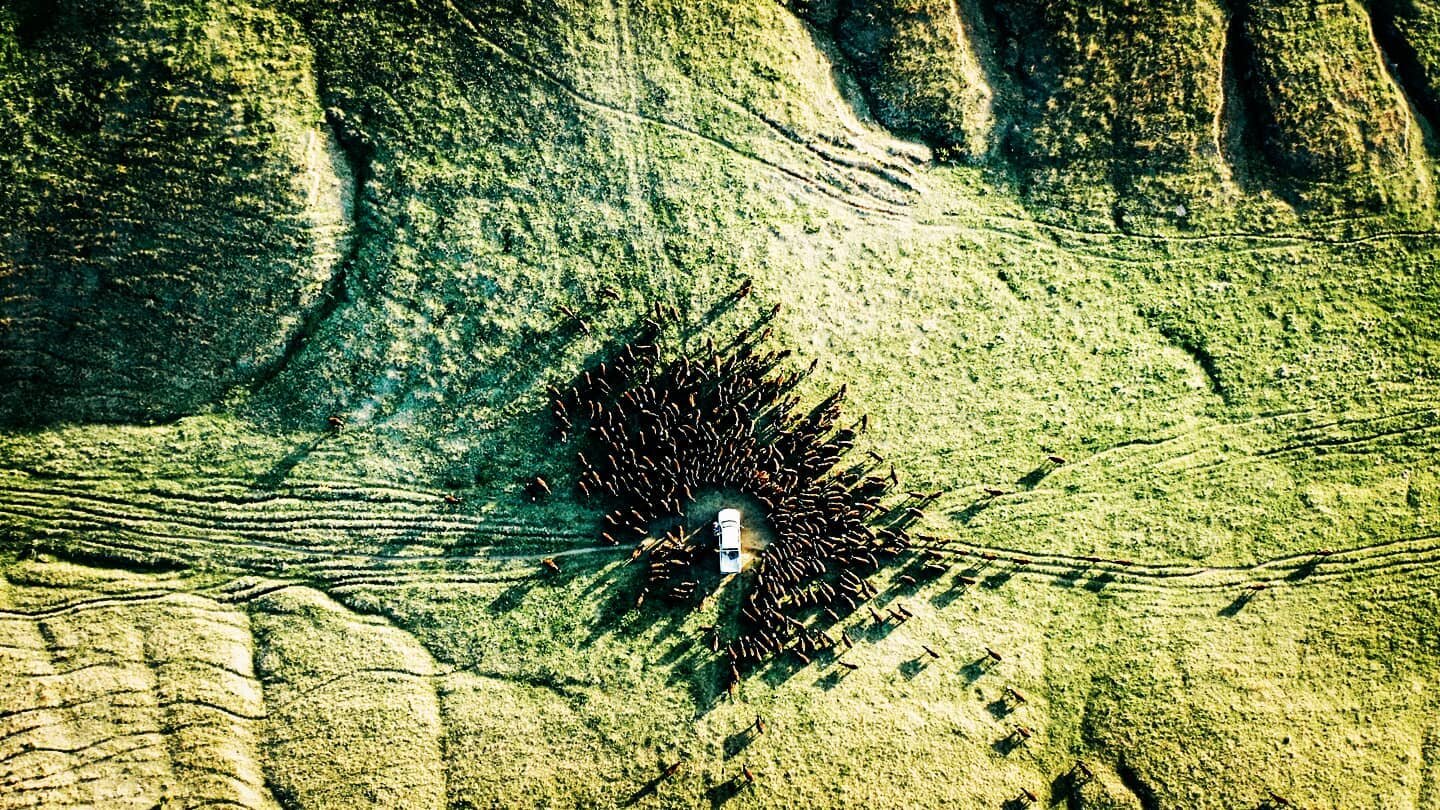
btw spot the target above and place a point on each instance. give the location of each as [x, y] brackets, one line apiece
[207, 597]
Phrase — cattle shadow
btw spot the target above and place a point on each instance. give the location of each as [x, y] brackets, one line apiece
[690, 330]
[619, 614]
[999, 708]
[912, 668]
[515, 372]
[976, 569]
[511, 598]
[974, 670]
[1007, 745]
[703, 675]
[1065, 787]
[1070, 577]
[832, 679]
[950, 595]
[679, 649]
[1033, 478]
[277, 474]
[648, 789]
[742, 337]
[740, 740]
[721, 794]
[969, 512]
[873, 631]
[997, 579]
[781, 668]
[1305, 570]
[917, 571]
[1230, 610]
[516, 375]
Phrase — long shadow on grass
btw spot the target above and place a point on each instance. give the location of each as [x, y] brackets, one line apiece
[915, 570]
[620, 616]
[725, 791]
[832, 679]
[999, 708]
[911, 669]
[515, 372]
[1099, 581]
[647, 789]
[1064, 787]
[781, 669]
[1238, 605]
[950, 595]
[996, 579]
[973, 671]
[515, 444]
[1009, 744]
[1035, 476]
[512, 597]
[702, 674]
[277, 474]
[1070, 577]
[1304, 570]
[741, 739]
[690, 330]
[968, 513]
[690, 663]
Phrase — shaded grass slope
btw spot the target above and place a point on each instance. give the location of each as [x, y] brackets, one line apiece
[173, 205]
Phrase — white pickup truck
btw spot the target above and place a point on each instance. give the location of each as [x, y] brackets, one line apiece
[727, 530]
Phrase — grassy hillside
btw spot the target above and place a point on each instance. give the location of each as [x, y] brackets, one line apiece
[174, 206]
[1188, 250]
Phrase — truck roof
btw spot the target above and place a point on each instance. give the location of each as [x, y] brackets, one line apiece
[728, 528]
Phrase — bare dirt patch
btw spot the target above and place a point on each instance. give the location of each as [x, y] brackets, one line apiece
[755, 531]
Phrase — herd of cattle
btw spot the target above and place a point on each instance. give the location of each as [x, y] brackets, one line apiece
[656, 432]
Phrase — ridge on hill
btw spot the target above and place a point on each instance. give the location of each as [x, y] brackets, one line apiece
[184, 213]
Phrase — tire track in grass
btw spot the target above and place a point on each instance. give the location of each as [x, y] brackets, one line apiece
[19, 785]
[194, 527]
[391, 570]
[1419, 554]
[340, 518]
[840, 195]
[201, 545]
